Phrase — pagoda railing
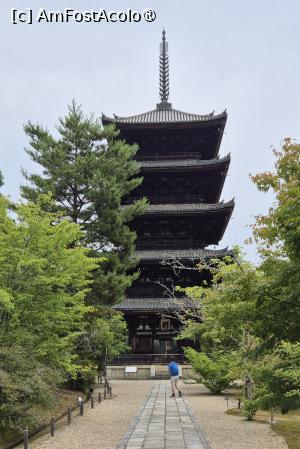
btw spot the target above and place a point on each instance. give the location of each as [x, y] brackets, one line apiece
[139, 290]
[147, 359]
[149, 156]
[161, 198]
[144, 243]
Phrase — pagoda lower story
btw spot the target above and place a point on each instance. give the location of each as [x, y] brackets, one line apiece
[153, 310]
[183, 177]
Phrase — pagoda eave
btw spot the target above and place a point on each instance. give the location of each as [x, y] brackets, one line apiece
[153, 256]
[188, 209]
[168, 119]
[190, 165]
[155, 305]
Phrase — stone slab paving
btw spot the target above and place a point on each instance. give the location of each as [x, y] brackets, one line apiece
[164, 422]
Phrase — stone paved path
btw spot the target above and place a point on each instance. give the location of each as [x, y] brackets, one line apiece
[164, 423]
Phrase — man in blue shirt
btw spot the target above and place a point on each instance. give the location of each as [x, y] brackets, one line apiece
[174, 376]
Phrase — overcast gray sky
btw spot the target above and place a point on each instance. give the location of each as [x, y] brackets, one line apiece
[243, 56]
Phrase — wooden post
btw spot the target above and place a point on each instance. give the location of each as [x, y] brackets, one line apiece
[227, 400]
[52, 426]
[104, 394]
[99, 397]
[25, 434]
[92, 401]
[105, 369]
[81, 408]
[110, 392]
[69, 416]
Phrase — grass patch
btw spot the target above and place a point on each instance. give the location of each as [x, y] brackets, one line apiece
[288, 427]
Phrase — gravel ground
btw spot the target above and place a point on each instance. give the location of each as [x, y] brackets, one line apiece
[104, 426]
[228, 431]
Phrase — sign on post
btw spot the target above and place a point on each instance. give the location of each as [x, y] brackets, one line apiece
[130, 370]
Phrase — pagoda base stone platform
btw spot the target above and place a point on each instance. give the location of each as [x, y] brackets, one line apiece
[139, 372]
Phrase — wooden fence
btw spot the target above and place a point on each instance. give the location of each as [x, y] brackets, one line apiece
[90, 401]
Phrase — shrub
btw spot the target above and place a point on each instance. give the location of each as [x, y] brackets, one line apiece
[213, 370]
[250, 407]
[26, 388]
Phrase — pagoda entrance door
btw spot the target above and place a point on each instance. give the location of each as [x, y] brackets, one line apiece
[143, 345]
[156, 346]
[167, 347]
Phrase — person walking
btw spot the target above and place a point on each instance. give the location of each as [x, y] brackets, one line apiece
[174, 377]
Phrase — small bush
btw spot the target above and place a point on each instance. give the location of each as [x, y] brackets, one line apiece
[250, 408]
[213, 370]
[26, 389]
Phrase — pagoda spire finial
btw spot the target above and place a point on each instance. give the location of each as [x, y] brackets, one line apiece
[164, 74]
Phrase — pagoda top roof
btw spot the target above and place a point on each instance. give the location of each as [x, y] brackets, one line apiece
[184, 163]
[187, 208]
[192, 254]
[163, 115]
[155, 304]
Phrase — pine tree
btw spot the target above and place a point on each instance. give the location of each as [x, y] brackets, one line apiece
[88, 170]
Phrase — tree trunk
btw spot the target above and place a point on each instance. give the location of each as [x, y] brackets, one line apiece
[248, 388]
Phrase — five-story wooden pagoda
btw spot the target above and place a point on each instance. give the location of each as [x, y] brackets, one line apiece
[183, 177]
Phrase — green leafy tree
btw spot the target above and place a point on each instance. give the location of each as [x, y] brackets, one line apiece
[277, 374]
[279, 229]
[277, 305]
[276, 380]
[227, 331]
[105, 338]
[236, 341]
[282, 378]
[253, 312]
[213, 370]
[44, 278]
[278, 236]
[228, 306]
[88, 170]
